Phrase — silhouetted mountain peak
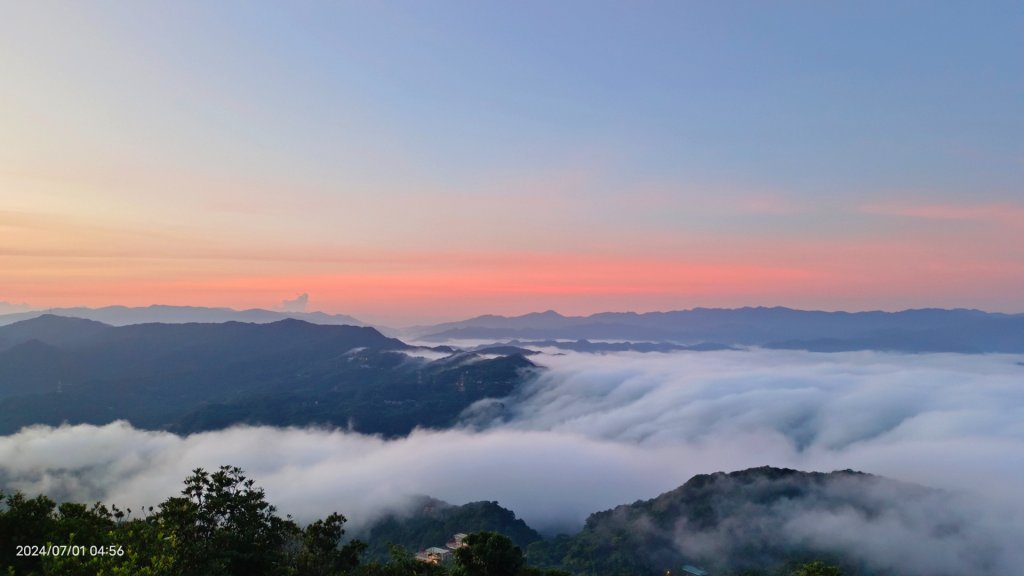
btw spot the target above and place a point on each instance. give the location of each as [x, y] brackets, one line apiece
[289, 322]
[57, 321]
[50, 329]
[544, 314]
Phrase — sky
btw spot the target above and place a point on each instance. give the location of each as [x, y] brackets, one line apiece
[417, 162]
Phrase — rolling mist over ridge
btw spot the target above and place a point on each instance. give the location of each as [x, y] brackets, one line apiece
[758, 520]
[766, 518]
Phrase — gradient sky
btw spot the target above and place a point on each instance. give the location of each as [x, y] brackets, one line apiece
[412, 162]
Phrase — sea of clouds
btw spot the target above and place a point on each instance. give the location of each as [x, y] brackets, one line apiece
[594, 431]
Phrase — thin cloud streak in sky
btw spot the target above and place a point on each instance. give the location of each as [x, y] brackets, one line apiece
[1007, 214]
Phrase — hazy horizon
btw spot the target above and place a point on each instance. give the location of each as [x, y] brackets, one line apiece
[393, 322]
[425, 163]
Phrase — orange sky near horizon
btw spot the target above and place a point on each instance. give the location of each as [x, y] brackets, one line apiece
[57, 262]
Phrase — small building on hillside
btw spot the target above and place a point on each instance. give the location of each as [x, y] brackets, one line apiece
[434, 555]
[457, 541]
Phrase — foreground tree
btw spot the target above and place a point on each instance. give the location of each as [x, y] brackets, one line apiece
[24, 521]
[489, 554]
[321, 555]
[223, 524]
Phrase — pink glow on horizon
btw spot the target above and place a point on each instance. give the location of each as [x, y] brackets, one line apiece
[880, 256]
[859, 278]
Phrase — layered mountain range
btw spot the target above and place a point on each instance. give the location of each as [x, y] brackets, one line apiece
[193, 377]
[919, 330]
[923, 330]
[124, 315]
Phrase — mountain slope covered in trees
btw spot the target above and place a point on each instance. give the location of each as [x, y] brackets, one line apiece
[194, 377]
[759, 521]
[430, 522]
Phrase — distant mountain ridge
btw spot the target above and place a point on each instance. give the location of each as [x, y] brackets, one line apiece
[915, 330]
[918, 330]
[124, 315]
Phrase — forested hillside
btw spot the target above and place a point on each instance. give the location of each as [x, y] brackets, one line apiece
[431, 522]
[194, 377]
[743, 523]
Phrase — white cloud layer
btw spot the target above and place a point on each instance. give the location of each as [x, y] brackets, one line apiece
[595, 431]
[297, 304]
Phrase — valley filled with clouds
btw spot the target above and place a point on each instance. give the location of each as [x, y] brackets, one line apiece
[590, 432]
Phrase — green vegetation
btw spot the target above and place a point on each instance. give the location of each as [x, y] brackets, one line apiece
[738, 519]
[432, 522]
[222, 525]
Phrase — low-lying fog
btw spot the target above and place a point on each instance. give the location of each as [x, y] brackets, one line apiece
[595, 431]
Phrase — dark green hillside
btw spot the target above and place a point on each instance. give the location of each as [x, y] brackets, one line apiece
[729, 524]
[193, 377]
[433, 522]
